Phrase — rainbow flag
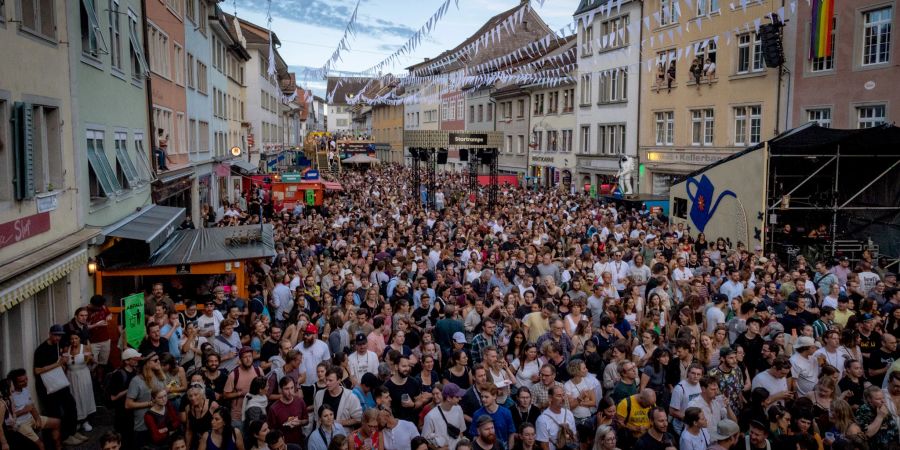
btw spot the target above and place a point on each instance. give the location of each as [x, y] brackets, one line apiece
[821, 28]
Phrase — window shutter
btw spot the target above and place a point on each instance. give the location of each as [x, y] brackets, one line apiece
[23, 151]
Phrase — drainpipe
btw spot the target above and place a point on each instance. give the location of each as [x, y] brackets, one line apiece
[637, 136]
[149, 89]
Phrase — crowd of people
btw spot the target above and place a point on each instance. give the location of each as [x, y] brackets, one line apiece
[552, 321]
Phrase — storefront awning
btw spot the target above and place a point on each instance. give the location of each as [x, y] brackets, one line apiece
[243, 165]
[333, 186]
[209, 245]
[153, 225]
[27, 284]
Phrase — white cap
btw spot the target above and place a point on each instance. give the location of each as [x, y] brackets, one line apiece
[130, 353]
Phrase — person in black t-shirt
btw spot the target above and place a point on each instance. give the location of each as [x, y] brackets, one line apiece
[869, 338]
[881, 359]
[791, 321]
[60, 404]
[853, 381]
[657, 438]
[407, 397]
[154, 342]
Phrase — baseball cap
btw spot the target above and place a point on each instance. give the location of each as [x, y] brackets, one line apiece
[719, 298]
[484, 419]
[57, 330]
[311, 329]
[130, 353]
[725, 351]
[245, 349]
[868, 316]
[360, 339]
[459, 338]
[452, 390]
[724, 429]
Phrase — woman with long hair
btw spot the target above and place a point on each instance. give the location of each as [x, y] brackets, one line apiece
[605, 438]
[705, 351]
[516, 347]
[428, 377]
[653, 375]
[574, 317]
[140, 390]
[222, 436]
[367, 436]
[197, 414]
[176, 380]
[754, 409]
[458, 373]
[843, 424]
[583, 333]
[643, 351]
[256, 435]
[822, 396]
[79, 374]
[779, 420]
[526, 438]
[849, 348]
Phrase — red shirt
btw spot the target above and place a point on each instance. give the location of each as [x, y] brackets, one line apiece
[95, 315]
[280, 412]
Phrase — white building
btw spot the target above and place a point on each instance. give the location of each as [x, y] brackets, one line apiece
[263, 93]
[608, 84]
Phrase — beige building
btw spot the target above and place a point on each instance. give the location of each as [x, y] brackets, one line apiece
[43, 242]
[387, 128]
[689, 120]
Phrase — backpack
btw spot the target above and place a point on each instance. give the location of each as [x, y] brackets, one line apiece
[107, 382]
[624, 438]
[237, 373]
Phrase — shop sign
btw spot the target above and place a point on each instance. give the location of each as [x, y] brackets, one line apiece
[696, 158]
[468, 139]
[183, 269]
[24, 228]
[548, 159]
[290, 178]
[311, 174]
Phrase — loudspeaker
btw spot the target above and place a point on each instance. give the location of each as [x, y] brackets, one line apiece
[463, 154]
[488, 155]
[423, 154]
[414, 152]
[442, 156]
[773, 51]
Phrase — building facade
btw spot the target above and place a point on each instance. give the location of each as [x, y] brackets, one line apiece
[513, 119]
[387, 128]
[691, 119]
[262, 103]
[608, 77]
[855, 87]
[43, 241]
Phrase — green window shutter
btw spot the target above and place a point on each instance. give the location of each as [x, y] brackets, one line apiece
[23, 150]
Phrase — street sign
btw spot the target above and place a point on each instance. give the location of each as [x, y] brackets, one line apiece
[291, 178]
[311, 174]
[133, 315]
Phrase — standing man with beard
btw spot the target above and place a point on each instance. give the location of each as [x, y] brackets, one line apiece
[486, 439]
[553, 418]
[407, 397]
[397, 434]
[237, 385]
[314, 351]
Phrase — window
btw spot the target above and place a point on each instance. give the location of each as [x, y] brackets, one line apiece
[537, 140]
[191, 10]
[613, 85]
[159, 52]
[202, 17]
[177, 6]
[203, 133]
[139, 66]
[179, 64]
[585, 139]
[102, 178]
[189, 68]
[520, 104]
[539, 104]
[509, 144]
[705, 7]
[552, 140]
[451, 110]
[585, 89]
[520, 144]
[142, 158]
[490, 112]
[614, 33]
[445, 108]
[91, 38]
[126, 172]
[822, 116]
[664, 60]
[115, 43]
[201, 78]
[180, 134]
[471, 113]
[566, 145]
[7, 152]
[665, 128]
[668, 12]
[611, 139]
[706, 52]
[460, 109]
[750, 57]
[870, 116]
[553, 102]
[39, 17]
[702, 124]
[481, 113]
[747, 125]
[826, 62]
[568, 100]
[877, 36]
[587, 41]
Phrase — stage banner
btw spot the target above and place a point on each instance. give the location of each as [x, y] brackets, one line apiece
[133, 315]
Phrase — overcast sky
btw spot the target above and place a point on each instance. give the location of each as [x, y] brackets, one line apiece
[310, 30]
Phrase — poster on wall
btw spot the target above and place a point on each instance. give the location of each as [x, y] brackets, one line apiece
[133, 316]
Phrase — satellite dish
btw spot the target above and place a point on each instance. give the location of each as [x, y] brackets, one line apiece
[235, 151]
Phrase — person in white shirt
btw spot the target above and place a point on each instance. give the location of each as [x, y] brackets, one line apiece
[208, 323]
[682, 275]
[685, 391]
[603, 265]
[362, 361]
[619, 270]
[438, 421]
[397, 433]
[714, 405]
[715, 314]
[775, 381]
[554, 417]
[804, 367]
[829, 353]
[695, 435]
[314, 351]
[282, 299]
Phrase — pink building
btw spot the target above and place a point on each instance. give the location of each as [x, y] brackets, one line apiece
[857, 87]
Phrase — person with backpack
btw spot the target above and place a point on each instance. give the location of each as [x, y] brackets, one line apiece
[556, 425]
[633, 416]
[237, 385]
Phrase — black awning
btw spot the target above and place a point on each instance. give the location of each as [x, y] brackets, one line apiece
[152, 226]
[241, 164]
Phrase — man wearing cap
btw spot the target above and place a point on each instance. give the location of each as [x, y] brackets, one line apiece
[117, 387]
[61, 404]
[237, 385]
[757, 438]
[725, 435]
[486, 437]
[209, 322]
[362, 361]
[227, 345]
[314, 351]
[869, 339]
[444, 425]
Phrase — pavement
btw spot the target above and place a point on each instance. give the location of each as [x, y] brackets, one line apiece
[102, 421]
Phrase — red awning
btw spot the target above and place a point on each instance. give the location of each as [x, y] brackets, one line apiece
[333, 186]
